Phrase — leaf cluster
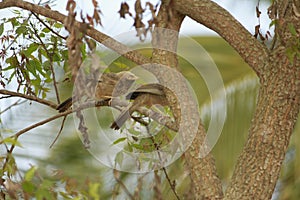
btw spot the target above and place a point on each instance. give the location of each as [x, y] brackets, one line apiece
[30, 51]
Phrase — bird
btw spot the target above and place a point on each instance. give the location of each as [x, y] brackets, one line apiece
[109, 84]
[146, 95]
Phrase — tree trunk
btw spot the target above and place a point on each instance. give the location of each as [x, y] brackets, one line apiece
[259, 165]
[205, 182]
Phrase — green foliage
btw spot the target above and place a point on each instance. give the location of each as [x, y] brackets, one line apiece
[11, 141]
[50, 186]
[31, 52]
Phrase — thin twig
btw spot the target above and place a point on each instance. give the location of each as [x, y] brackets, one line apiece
[172, 185]
[107, 41]
[29, 97]
[158, 117]
[48, 27]
[50, 61]
[82, 107]
[123, 186]
[59, 132]
[12, 105]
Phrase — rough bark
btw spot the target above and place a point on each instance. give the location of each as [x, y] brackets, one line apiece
[213, 16]
[205, 182]
[278, 105]
[258, 167]
[259, 164]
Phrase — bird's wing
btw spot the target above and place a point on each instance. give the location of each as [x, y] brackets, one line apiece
[155, 89]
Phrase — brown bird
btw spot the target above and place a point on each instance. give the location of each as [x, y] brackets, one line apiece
[110, 84]
[146, 95]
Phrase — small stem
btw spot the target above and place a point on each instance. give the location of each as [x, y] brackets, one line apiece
[28, 97]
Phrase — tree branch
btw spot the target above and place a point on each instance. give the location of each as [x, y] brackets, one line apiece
[206, 184]
[81, 107]
[29, 97]
[218, 19]
[107, 41]
[48, 27]
[123, 186]
[159, 118]
[12, 105]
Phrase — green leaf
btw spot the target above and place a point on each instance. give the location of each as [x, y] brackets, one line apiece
[17, 12]
[119, 140]
[58, 25]
[94, 190]
[32, 48]
[12, 141]
[21, 30]
[65, 195]
[128, 148]
[56, 57]
[47, 65]
[1, 28]
[28, 187]
[43, 193]
[45, 30]
[134, 132]
[273, 22]
[119, 158]
[30, 173]
[137, 146]
[44, 94]
[42, 35]
[43, 52]
[65, 54]
[12, 61]
[34, 66]
[14, 22]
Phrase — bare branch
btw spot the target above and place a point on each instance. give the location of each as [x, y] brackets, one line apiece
[12, 105]
[59, 132]
[82, 107]
[157, 147]
[213, 16]
[29, 97]
[109, 42]
[159, 118]
[123, 186]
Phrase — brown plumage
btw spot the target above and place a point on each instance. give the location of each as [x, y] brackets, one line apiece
[110, 84]
[146, 95]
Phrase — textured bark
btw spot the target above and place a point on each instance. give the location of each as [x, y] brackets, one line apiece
[278, 105]
[213, 16]
[258, 167]
[205, 182]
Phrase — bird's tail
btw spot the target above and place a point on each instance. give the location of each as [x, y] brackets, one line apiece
[65, 105]
[120, 120]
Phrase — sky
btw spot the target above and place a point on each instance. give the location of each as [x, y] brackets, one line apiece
[243, 10]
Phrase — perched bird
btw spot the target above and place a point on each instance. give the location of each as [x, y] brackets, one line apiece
[146, 95]
[110, 84]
